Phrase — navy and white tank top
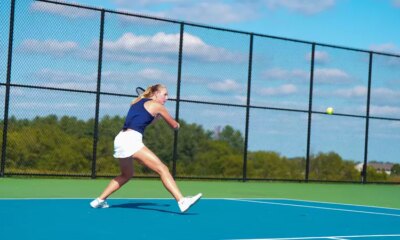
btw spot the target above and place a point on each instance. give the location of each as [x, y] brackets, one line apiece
[138, 118]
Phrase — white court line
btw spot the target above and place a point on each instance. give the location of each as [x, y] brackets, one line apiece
[344, 204]
[326, 237]
[310, 201]
[315, 207]
[72, 198]
[206, 198]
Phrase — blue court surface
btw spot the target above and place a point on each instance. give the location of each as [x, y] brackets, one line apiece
[209, 219]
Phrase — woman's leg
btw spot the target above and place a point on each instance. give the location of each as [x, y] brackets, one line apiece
[146, 157]
[126, 166]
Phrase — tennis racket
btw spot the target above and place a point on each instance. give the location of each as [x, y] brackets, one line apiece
[139, 91]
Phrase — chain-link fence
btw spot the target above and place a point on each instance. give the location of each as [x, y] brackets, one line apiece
[251, 106]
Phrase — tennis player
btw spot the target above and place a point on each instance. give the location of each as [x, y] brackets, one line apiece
[128, 145]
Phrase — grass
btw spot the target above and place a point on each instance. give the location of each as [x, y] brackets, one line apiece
[369, 194]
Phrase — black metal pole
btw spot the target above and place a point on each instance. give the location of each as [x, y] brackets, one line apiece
[310, 113]
[7, 95]
[96, 121]
[364, 170]
[178, 96]
[246, 133]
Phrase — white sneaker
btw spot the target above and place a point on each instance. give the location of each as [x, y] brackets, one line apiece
[98, 203]
[186, 202]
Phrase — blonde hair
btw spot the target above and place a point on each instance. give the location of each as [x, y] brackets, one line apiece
[149, 92]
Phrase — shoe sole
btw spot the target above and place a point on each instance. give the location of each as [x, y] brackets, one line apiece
[194, 203]
[99, 205]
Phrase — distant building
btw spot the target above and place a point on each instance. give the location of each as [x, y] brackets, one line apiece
[378, 166]
[359, 166]
[382, 167]
[217, 132]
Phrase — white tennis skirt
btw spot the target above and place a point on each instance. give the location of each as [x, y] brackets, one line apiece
[127, 143]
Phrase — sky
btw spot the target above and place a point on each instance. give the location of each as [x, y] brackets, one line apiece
[366, 24]
[58, 47]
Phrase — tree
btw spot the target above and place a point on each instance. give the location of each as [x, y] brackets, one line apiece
[233, 138]
[330, 166]
[374, 176]
[395, 171]
[217, 160]
[50, 144]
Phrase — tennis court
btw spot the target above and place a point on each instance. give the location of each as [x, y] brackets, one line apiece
[212, 218]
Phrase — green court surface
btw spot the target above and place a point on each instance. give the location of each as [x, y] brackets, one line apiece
[368, 194]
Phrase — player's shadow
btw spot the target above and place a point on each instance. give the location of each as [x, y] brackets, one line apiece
[149, 207]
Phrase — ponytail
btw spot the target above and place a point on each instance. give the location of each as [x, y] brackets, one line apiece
[151, 90]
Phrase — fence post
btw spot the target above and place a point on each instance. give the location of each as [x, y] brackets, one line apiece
[96, 121]
[178, 97]
[364, 170]
[7, 95]
[246, 133]
[310, 112]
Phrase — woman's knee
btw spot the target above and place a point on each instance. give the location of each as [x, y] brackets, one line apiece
[162, 169]
[121, 179]
[126, 175]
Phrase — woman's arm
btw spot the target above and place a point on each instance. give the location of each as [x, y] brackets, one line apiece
[163, 112]
[156, 118]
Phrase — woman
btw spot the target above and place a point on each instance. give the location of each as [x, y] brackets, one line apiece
[128, 145]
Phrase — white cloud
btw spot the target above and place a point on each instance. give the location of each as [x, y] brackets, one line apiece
[160, 42]
[164, 43]
[228, 85]
[319, 57]
[66, 79]
[330, 75]
[396, 3]
[47, 106]
[110, 79]
[379, 96]
[127, 3]
[300, 74]
[386, 47]
[212, 113]
[357, 91]
[50, 46]
[16, 92]
[113, 80]
[385, 95]
[118, 77]
[129, 20]
[222, 12]
[394, 124]
[285, 89]
[65, 11]
[283, 74]
[141, 75]
[241, 99]
[53, 75]
[131, 58]
[276, 73]
[214, 12]
[384, 110]
[302, 6]
[155, 74]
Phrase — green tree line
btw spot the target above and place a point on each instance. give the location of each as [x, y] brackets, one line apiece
[64, 145]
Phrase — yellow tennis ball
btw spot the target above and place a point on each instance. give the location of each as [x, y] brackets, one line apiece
[329, 110]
